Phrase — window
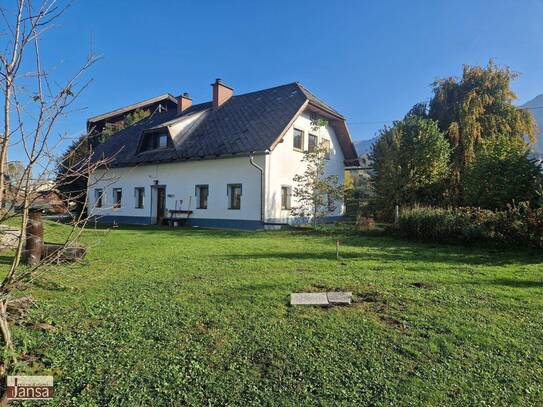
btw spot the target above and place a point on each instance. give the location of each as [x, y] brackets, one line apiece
[234, 196]
[285, 197]
[139, 195]
[330, 203]
[202, 192]
[117, 197]
[312, 143]
[298, 140]
[98, 197]
[325, 144]
[154, 141]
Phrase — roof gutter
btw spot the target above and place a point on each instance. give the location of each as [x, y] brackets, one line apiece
[261, 170]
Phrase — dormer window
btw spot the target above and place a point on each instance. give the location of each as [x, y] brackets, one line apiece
[155, 141]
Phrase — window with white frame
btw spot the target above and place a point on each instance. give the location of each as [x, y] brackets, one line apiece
[117, 197]
[286, 193]
[234, 196]
[139, 197]
[202, 192]
[98, 197]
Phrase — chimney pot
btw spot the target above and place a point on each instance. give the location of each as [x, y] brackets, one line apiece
[221, 93]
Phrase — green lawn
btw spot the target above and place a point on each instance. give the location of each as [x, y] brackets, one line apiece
[158, 316]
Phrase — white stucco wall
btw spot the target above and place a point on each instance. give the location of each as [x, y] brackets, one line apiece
[284, 163]
[180, 179]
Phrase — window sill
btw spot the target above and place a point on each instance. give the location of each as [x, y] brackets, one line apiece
[234, 209]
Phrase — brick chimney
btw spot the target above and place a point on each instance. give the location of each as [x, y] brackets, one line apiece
[183, 103]
[221, 93]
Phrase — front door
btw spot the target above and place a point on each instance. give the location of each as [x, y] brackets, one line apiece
[161, 205]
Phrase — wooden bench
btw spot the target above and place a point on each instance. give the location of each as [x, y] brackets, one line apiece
[178, 215]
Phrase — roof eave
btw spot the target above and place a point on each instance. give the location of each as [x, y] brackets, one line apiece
[327, 110]
[194, 158]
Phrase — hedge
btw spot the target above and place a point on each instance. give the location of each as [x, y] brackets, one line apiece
[519, 225]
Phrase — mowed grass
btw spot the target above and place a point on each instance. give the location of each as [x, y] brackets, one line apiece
[158, 316]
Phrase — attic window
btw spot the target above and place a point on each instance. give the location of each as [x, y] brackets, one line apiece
[162, 141]
[155, 141]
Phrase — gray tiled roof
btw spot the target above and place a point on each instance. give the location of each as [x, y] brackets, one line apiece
[245, 123]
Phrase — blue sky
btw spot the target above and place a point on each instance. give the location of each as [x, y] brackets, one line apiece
[371, 60]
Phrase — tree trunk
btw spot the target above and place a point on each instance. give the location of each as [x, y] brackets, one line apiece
[4, 326]
[34, 238]
[5, 137]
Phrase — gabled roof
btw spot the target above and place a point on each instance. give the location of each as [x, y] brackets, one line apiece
[251, 122]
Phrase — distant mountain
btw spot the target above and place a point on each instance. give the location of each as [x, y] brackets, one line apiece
[537, 102]
[363, 147]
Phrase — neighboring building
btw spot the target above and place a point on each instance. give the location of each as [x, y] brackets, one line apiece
[96, 124]
[40, 193]
[225, 163]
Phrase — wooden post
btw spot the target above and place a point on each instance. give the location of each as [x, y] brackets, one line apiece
[397, 214]
[34, 238]
[337, 249]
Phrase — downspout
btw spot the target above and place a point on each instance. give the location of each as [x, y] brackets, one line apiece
[261, 170]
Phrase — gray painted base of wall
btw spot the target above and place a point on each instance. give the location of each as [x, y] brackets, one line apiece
[211, 223]
[304, 220]
[195, 222]
[122, 220]
[226, 223]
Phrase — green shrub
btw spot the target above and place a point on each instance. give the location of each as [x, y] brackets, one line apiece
[519, 225]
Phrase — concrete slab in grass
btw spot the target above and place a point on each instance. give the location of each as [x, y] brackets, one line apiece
[309, 299]
[339, 297]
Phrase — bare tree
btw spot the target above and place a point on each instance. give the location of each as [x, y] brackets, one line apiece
[34, 103]
[30, 22]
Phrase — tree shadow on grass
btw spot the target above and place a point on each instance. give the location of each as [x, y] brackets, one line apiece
[397, 253]
[377, 247]
[6, 259]
[185, 231]
[400, 249]
[514, 283]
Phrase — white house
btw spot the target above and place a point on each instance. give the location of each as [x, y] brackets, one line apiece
[225, 163]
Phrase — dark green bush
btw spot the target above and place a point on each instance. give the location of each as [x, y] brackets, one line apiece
[519, 225]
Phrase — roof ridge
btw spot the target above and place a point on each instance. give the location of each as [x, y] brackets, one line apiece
[250, 93]
[266, 89]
